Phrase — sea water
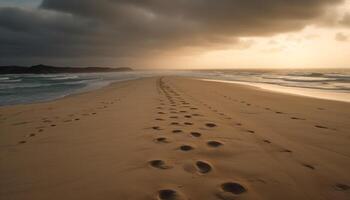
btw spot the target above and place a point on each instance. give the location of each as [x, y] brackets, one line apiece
[325, 84]
[29, 88]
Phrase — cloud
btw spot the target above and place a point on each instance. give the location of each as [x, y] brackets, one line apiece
[140, 29]
[341, 37]
[311, 36]
[345, 20]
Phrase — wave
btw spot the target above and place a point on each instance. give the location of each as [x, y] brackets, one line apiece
[39, 85]
[10, 81]
[42, 75]
[307, 74]
[30, 88]
[315, 74]
[321, 81]
[4, 78]
[19, 86]
[74, 83]
[308, 79]
[64, 77]
[319, 87]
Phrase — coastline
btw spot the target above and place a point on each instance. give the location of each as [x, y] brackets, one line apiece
[101, 143]
[86, 89]
[299, 91]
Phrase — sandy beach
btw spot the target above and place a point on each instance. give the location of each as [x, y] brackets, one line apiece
[176, 138]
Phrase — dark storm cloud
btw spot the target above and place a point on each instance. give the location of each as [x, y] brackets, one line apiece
[124, 28]
[25, 32]
[229, 17]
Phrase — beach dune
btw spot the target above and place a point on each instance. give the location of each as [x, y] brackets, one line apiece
[176, 138]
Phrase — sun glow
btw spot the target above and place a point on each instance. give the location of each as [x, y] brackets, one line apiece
[309, 48]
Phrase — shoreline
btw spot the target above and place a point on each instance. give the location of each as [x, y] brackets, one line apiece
[86, 89]
[305, 92]
[299, 91]
[137, 138]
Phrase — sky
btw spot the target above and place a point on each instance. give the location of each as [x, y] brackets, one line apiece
[176, 34]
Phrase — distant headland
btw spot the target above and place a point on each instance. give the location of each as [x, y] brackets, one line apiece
[45, 69]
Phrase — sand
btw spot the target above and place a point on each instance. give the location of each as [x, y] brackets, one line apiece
[176, 138]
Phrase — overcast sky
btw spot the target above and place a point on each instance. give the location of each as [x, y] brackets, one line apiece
[176, 33]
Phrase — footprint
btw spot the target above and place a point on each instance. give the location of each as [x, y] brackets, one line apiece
[159, 164]
[233, 187]
[53, 125]
[31, 135]
[203, 167]
[214, 144]
[175, 123]
[188, 123]
[186, 148]
[156, 128]
[188, 116]
[279, 112]
[177, 131]
[308, 166]
[22, 142]
[286, 151]
[173, 117]
[250, 131]
[322, 127]
[297, 118]
[238, 124]
[159, 119]
[267, 141]
[76, 119]
[162, 140]
[341, 187]
[210, 125]
[196, 134]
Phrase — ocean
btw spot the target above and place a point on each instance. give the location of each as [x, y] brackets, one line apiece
[31, 88]
[325, 84]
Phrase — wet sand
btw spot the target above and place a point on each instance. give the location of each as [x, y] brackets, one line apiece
[176, 138]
